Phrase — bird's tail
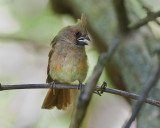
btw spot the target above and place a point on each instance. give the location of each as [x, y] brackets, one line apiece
[61, 98]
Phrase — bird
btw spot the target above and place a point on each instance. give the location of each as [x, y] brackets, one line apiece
[67, 63]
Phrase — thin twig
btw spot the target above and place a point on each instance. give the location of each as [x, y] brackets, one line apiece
[62, 86]
[36, 86]
[150, 17]
[148, 11]
[130, 95]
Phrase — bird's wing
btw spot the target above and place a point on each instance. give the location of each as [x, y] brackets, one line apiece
[49, 79]
[54, 41]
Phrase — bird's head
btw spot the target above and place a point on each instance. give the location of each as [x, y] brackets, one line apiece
[76, 34]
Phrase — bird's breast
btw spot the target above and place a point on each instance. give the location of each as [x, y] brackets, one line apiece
[69, 66]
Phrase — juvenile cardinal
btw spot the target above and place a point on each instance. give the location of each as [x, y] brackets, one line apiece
[67, 63]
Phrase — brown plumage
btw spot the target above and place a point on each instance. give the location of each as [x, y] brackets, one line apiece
[67, 63]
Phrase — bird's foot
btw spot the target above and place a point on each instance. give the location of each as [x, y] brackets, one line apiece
[52, 86]
[102, 89]
[97, 92]
[80, 86]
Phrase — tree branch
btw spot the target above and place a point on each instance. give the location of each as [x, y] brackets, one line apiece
[150, 17]
[121, 14]
[62, 86]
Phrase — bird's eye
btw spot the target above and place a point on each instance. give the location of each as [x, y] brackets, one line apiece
[78, 34]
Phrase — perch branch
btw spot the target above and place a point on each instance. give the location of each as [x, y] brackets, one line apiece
[62, 86]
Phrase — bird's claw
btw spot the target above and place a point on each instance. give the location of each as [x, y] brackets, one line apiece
[97, 92]
[52, 86]
[80, 86]
[102, 89]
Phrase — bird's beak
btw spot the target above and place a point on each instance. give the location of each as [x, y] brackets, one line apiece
[83, 40]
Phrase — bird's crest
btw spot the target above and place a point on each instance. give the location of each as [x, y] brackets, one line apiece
[82, 21]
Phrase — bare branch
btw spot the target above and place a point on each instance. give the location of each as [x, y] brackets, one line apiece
[130, 95]
[62, 86]
[150, 17]
[121, 14]
[36, 86]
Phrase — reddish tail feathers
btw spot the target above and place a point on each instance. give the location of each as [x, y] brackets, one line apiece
[61, 98]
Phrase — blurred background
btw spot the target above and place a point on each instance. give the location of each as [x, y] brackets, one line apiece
[26, 29]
